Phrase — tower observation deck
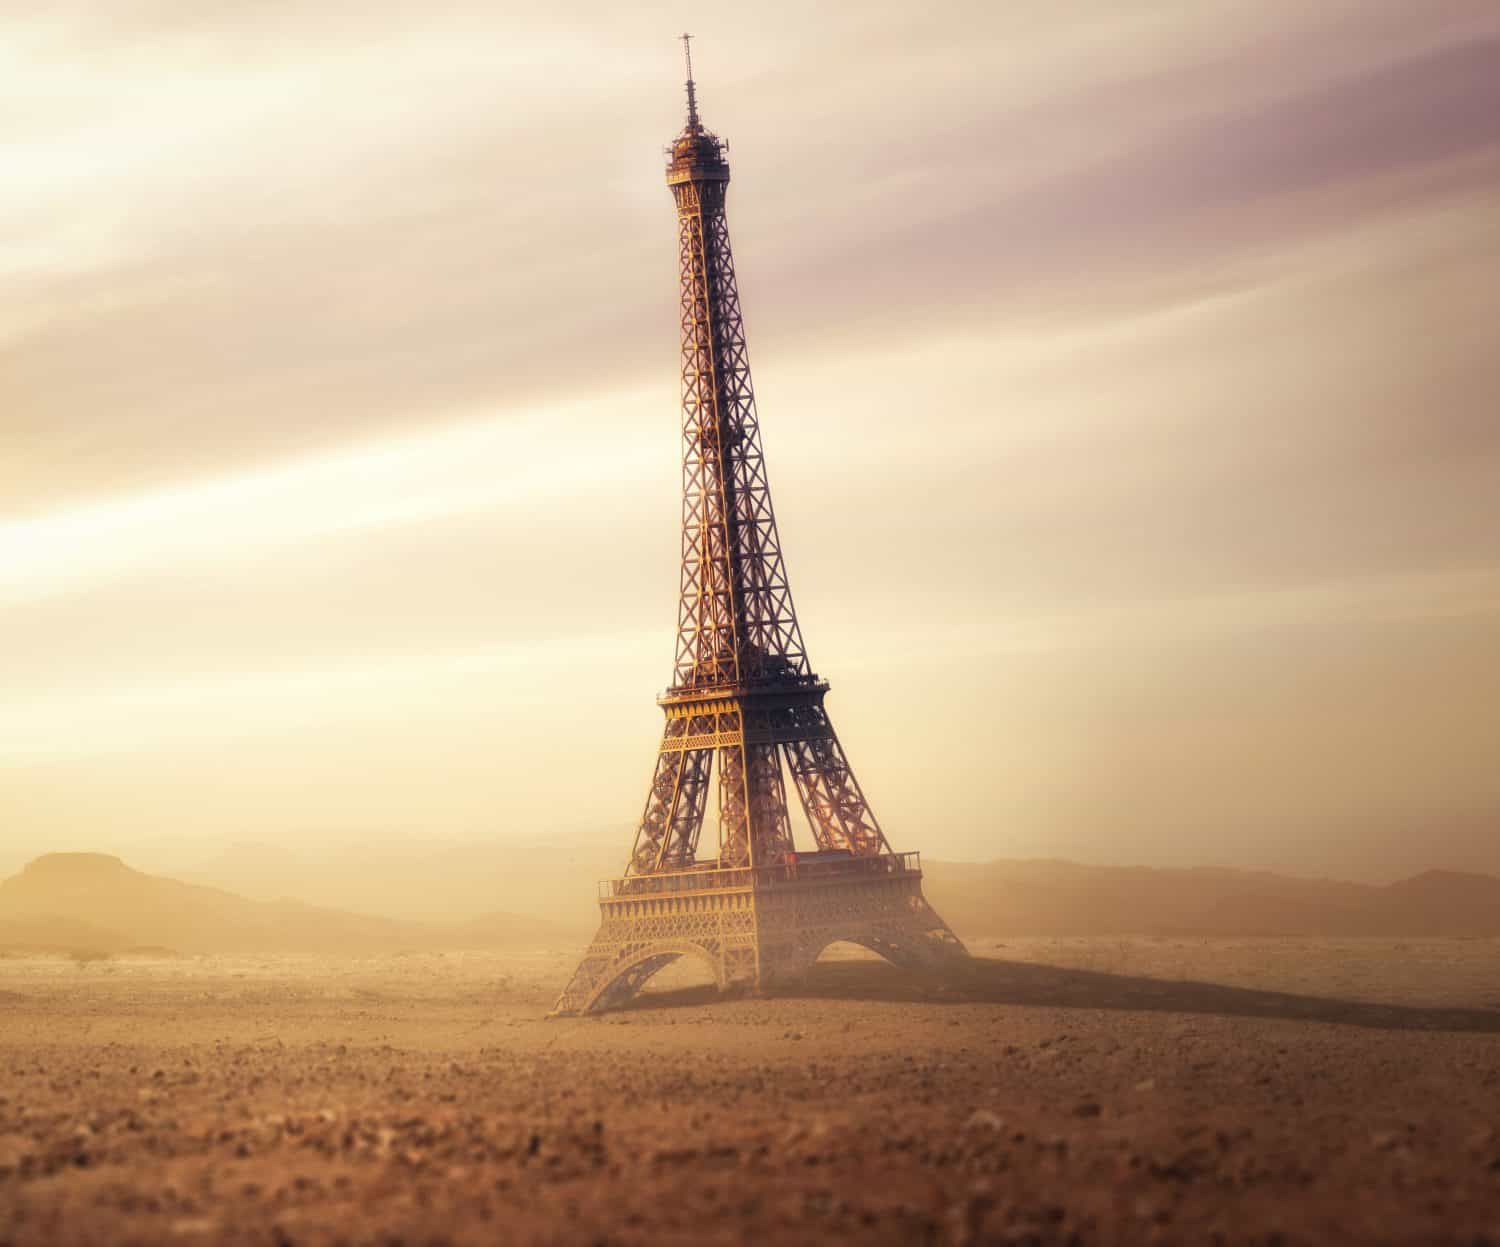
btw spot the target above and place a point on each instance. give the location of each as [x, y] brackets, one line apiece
[743, 701]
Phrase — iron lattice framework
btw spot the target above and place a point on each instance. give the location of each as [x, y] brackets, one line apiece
[744, 693]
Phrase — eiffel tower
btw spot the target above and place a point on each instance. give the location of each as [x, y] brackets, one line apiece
[758, 911]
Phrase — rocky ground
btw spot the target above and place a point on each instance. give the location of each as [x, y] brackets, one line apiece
[1084, 1091]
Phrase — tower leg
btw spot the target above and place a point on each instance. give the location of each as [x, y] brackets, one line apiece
[649, 931]
[875, 907]
[835, 805]
[673, 817]
[754, 829]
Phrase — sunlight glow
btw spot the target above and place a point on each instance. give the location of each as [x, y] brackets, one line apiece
[483, 465]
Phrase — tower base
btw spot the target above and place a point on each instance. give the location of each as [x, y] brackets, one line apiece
[756, 926]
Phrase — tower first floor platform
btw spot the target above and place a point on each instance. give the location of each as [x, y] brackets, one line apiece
[754, 926]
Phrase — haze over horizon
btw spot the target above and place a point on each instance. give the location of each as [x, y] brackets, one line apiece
[1127, 376]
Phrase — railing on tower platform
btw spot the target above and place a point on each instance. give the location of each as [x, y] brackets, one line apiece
[796, 870]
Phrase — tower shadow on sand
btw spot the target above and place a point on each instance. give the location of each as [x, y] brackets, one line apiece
[985, 980]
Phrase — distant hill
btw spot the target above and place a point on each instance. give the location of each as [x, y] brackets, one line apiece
[95, 902]
[549, 878]
[1064, 898]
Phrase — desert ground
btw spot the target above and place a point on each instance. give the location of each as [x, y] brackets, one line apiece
[1082, 1090]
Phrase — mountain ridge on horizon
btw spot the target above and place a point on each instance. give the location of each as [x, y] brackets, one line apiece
[95, 901]
[1049, 896]
[313, 864]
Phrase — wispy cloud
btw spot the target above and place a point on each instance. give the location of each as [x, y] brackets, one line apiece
[486, 465]
[337, 371]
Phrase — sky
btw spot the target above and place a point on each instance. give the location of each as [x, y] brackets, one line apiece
[1127, 372]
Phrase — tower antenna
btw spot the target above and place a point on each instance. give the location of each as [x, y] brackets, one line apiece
[687, 52]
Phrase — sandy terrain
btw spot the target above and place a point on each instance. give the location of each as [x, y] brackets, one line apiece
[1089, 1091]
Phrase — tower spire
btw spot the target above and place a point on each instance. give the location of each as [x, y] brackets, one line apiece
[692, 96]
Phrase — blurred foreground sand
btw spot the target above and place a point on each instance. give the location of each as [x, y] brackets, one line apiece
[1074, 1090]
